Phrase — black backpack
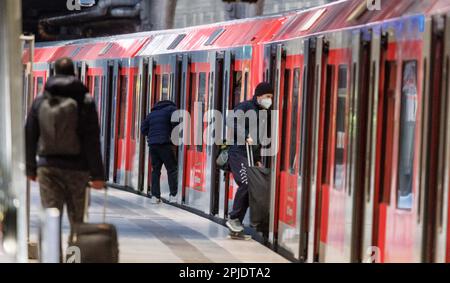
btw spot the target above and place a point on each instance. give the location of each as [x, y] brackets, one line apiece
[58, 124]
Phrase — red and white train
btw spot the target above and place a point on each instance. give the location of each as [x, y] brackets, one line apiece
[363, 170]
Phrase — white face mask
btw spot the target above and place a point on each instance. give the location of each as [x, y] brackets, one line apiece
[266, 103]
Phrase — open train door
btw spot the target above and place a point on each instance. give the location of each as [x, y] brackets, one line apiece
[202, 96]
[162, 75]
[235, 88]
[295, 103]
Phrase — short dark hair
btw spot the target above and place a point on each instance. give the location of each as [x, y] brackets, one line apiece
[64, 66]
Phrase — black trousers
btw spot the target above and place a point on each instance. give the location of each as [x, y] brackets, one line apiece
[163, 154]
[238, 165]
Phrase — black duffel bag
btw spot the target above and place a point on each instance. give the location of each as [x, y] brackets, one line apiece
[259, 194]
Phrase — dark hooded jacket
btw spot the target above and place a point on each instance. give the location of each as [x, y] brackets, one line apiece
[90, 158]
[157, 126]
[243, 129]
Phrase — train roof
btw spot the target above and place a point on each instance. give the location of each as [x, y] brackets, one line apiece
[337, 15]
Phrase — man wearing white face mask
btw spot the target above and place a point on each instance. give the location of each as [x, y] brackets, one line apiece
[262, 100]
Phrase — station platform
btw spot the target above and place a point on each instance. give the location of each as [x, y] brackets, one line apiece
[162, 233]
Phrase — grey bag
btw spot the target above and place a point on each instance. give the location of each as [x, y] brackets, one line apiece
[222, 158]
[58, 124]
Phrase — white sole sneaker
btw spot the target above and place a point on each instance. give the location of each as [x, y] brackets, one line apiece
[232, 229]
[156, 201]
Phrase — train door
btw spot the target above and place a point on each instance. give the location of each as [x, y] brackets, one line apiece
[163, 83]
[442, 227]
[315, 76]
[369, 252]
[199, 167]
[140, 163]
[290, 177]
[138, 114]
[276, 122]
[436, 244]
[235, 88]
[400, 184]
[114, 92]
[336, 194]
[224, 177]
[107, 118]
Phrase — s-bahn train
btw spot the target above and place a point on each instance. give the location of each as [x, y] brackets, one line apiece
[362, 173]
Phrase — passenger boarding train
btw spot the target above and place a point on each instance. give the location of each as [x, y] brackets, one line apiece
[363, 170]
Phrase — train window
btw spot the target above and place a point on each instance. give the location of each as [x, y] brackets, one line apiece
[245, 85]
[176, 41]
[237, 86]
[287, 80]
[329, 88]
[88, 84]
[201, 99]
[106, 48]
[312, 19]
[96, 90]
[76, 51]
[40, 85]
[96, 93]
[157, 88]
[408, 117]
[339, 159]
[123, 104]
[134, 110]
[303, 115]
[294, 119]
[191, 100]
[165, 87]
[214, 36]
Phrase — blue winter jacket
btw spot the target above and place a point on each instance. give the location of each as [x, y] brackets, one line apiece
[157, 127]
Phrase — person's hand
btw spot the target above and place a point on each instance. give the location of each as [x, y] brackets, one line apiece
[259, 164]
[250, 140]
[97, 185]
[32, 178]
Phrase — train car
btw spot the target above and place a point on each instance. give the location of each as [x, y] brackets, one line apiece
[361, 165]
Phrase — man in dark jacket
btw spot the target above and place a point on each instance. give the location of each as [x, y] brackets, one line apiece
[238, 161]
[63, 178]
[158, 129]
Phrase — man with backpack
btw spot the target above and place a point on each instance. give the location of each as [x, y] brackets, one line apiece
[157, 127]
[238, 159]
[62, 130]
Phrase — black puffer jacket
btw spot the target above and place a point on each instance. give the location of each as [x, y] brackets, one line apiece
[157, 126]
[88, 128]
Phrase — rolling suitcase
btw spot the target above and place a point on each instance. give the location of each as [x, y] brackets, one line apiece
[97, 243]
[259, 194]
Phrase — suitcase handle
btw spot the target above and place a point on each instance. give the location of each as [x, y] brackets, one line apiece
[251, 162]
[105, 203]
[87, 200]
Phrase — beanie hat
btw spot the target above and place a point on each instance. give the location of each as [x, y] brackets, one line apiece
[263, 88]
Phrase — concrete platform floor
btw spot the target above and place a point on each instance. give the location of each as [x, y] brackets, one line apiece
[163, 233]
